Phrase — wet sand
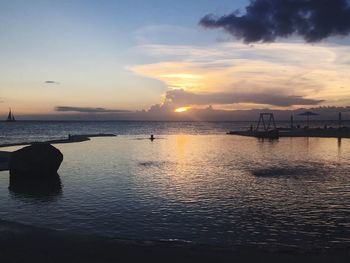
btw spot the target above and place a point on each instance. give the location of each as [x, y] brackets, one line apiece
[21, 243]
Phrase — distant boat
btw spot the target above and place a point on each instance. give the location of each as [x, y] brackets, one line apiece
[10, 117]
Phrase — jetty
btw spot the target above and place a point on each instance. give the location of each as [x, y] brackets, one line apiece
[267, 128]
[5, 155]
[69, 139]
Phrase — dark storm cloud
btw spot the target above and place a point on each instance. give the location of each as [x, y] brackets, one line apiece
[183, 98]
[266, 20]
[51, 82]
[87, 110]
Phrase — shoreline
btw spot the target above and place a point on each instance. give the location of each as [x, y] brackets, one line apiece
[5, 155]
[295, 133]
[70, 139]
[23, 243]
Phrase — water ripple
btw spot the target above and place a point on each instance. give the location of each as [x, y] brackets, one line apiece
[223, 190]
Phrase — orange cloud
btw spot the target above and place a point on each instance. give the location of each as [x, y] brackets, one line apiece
[294, 69]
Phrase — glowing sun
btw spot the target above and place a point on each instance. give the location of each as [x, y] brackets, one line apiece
[182, 109]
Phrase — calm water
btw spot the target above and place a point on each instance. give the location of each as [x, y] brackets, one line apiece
[212, 189]
[49, 130]
[24, 131]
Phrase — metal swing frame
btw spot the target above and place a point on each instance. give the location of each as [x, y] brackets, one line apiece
[267, 122]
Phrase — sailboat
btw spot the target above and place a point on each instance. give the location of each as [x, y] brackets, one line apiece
[10, 117]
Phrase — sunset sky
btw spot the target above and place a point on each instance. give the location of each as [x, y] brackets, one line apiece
[155, 56]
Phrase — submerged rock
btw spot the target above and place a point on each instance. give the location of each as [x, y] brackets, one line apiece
[50, 186]
[4, 160]
[35, 161]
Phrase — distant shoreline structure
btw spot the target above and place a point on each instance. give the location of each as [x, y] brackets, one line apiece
[267, 128]
[326, 113]
[250, 120]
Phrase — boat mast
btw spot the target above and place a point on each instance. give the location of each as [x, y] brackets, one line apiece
[10, 116]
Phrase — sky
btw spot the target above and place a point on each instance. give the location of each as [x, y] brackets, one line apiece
[163, 59]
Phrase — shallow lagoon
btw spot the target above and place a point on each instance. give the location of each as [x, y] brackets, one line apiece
[212, 189]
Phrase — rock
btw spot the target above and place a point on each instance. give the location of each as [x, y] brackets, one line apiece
[4, 160]
[35, 161]
[49, 186]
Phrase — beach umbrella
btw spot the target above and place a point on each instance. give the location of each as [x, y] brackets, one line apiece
[308, 114]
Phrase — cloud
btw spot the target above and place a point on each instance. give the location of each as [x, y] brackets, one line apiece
[291, 69]
[87, 110]
[183, 98]
[51, 82]
[164, 112]
[266, 20]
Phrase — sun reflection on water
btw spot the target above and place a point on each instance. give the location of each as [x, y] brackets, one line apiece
[213, 189]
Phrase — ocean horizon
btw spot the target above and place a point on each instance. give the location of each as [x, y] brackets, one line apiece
[40, 130]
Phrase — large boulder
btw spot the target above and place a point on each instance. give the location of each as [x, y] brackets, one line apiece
[4, 160]
[49, 186]
[35, 161]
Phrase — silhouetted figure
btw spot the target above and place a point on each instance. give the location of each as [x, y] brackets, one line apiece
[325, 127]
[251, 127]
[152, 137]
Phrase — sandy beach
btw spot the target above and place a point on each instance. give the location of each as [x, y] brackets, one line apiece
[22, 243]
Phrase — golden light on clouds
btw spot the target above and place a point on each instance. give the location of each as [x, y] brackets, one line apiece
[182, 80]
[183, 76]
[182, 109]
[295, 69]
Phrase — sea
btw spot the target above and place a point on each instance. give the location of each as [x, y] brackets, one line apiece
[193, 183]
